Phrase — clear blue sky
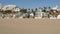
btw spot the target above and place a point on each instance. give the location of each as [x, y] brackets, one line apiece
[31, 3]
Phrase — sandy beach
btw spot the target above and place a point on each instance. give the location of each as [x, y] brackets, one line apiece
[29, 26]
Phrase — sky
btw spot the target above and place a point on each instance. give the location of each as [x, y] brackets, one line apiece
[31, 3]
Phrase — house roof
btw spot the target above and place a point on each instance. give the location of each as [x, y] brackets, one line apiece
[55, 8]
[8, 7]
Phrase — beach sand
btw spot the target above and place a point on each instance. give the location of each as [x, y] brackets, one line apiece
[29, 26]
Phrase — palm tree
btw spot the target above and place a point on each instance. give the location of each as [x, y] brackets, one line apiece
[45, 8]
[28, 13]
[49, 10]
[23, 10]
[34, 12]
[36, 9]
[49, 7]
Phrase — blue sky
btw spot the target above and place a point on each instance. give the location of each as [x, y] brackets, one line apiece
[31, 3]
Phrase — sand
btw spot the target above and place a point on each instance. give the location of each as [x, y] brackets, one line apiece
[29, 26]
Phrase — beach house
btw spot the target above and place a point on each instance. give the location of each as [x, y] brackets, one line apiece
[38, 14]
[54, 12]
[11, 10]
[1, 6]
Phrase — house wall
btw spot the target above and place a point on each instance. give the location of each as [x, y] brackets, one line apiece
[38, 14]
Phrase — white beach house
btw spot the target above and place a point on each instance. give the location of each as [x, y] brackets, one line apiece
[13, 8]
[38, 14]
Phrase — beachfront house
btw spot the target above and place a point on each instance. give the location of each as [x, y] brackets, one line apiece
[31, 13]
[1, 6]
[58, 17]
[11, 10]
[54, 13]
[45, 12]
[16, 12]
[38, 14]
[7, 9]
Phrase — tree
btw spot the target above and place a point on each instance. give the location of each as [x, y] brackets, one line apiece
[6, 12]
[34, 12]
[23, 10]
[49, 7]
[36, 9]
[45, 8]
